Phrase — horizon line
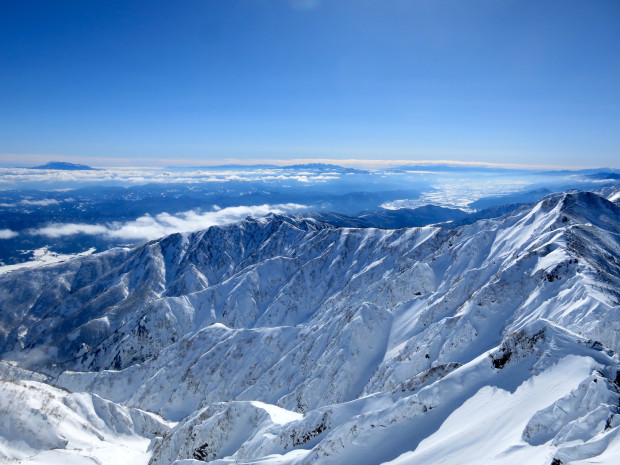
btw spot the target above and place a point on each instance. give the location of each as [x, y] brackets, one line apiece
[360, 163]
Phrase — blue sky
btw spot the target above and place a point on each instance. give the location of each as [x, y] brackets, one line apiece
[501, 81]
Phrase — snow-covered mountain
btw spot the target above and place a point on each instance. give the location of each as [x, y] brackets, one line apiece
[290, 340]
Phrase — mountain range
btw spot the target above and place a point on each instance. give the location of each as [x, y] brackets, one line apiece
[292, 339]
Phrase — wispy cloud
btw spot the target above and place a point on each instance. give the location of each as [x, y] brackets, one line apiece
[40, 203]
[8, 234]
[35, 203]
[55, 231]
[152, 227]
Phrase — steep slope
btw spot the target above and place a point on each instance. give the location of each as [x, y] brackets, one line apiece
[459, 418]
[290, 336]
[44, 424]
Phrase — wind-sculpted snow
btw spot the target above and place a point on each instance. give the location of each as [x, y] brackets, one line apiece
[289, 340]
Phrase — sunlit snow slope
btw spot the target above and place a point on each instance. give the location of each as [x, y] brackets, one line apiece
[288, 340]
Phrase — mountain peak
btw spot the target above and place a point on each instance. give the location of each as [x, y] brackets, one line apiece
[61, 165]
[587, 208]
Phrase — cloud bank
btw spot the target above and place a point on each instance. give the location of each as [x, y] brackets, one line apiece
[151, 227]
[133, 176]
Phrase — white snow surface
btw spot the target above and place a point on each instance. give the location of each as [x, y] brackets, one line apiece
[44, 424]
[42, 257]
[279, 340]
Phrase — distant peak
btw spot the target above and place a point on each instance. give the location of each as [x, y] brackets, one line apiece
[323, 167]
[62, 165]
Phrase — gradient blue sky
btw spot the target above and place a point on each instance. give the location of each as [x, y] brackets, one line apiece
[503, 81]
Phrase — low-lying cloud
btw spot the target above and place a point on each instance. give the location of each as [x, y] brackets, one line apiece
[7, 234]
[151, 227]
[133, 176]
[34, 203]
[40, 203]
[55, 231]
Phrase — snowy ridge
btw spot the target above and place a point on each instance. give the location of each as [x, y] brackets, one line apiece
[43, 424]
[288, 340]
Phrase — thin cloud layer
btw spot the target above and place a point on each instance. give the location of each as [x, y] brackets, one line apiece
[151, 227]
[132, 176]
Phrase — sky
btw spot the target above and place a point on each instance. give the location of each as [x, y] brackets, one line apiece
[135, 82]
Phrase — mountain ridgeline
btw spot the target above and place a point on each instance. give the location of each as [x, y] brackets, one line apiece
[298, 340]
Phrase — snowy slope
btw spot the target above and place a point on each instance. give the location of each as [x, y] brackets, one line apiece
[289, 340]
[44, 424]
